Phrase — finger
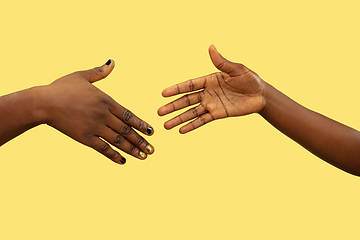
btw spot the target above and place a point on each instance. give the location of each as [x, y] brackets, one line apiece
[132, 136]
[105, 149]
[180, 103]
[98, 73]
[187, 86]
[184, 117]
[200, 121]
[122, 143]
[131, 119]
[233, 69]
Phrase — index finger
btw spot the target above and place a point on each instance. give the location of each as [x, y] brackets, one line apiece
[131, 119]
[187, 86]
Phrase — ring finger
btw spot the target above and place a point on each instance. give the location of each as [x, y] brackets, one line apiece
[186, 116]
[122, 143]
[131, 135]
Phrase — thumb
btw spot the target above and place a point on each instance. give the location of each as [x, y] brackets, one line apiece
[98, 73]
[223, 64]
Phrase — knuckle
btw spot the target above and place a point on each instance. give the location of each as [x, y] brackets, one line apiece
[140, 141]
[99, 114]
[126, 129]
[105, 99]
[88, 135]
[104, 147]
[173, 105]
[119, 139]
[221, 65]
[99, 70]
[127, 115]
[140, 124]
[188, 100]
[181, 121]
[132, 149]
[191, 85]
[202, 120]
[195, 112]
[113, 155]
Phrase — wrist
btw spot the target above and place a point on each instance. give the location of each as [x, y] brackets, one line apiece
[38, 106]
[267, 93]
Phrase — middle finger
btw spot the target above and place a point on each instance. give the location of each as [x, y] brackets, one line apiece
[131, 135]
[180, 103]
[186, 116]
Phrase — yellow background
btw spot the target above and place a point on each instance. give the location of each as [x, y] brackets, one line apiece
[237, 178]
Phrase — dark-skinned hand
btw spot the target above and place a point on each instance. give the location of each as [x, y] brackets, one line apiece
[74, 106]
[235, 91]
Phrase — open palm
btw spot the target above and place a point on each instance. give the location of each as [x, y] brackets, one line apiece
[235, 91]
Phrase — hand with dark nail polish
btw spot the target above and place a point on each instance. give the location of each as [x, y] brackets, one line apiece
[74, 106]
[235, 91]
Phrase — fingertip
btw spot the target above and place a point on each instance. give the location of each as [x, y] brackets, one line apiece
[214, 54]
[150, 130]
[213, 51]
[212, 47]
[110, 62]
[161, 112]
[220, 62]
[109, 65]
[150, 149]
[182, 130]
[98, 73]
[117, 158]
[167, 126]
[166, 109]
[142, 155]
[166, 93]
[163, 93]
[122, 161]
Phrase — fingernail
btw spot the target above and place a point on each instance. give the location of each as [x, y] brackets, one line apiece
[149, 130]
[215, 47]
[142, 154]
[108, 62]
[149, 148]
[123, 160]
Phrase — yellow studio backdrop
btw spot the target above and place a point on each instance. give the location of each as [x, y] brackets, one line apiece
[236, 178]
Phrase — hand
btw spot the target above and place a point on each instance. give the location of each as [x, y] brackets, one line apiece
[235, 91]
[80, 110]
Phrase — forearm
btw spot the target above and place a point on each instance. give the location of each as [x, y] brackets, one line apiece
[19, 112]
[332, 141]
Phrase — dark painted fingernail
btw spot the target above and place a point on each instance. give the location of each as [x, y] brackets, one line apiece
[108, 62]
[123, 160]
[149, 130]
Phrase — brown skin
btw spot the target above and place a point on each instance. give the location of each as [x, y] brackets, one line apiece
[238, 91]
[78, 109]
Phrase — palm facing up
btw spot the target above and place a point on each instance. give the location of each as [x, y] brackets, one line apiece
[235, 91]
